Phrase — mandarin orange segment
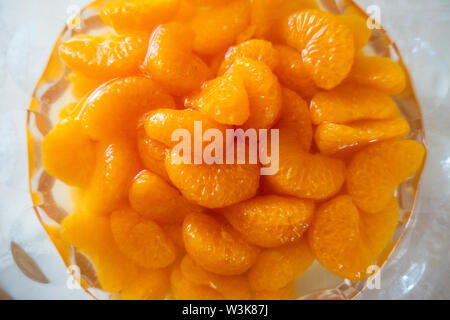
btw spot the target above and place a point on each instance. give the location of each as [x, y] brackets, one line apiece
[266, 14]
[152, 154]
[275, 268]
[117, 164]
[155, 199]
[379, 73]
[264, 92]
[216, 246]
[379, 227]
[183, 289]
[142, 240]
[349, 103]
[138, 15]
[270, 221]
[256, 49]
[216, 28]
[149, 284]
[82, 85]
[114, 109]
[291, 72]
[358, 26]
[377, 170]
[104, 58]
[285, 293]
[224, 99]
[305, 175]
[231, 287]
[347, 241]
[326, 45]
[213, 185]
[61, 154]
[295, 118]
[92, 235]
[331, 138]
[170, 60]
[161, 124]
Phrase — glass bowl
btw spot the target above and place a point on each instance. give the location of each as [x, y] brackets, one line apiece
[52, 199]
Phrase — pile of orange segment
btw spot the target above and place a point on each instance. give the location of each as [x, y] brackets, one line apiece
[156, 228]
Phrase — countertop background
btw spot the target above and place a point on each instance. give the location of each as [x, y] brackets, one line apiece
[420, 266]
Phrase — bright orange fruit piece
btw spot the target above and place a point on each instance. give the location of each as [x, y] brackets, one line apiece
[305, 175]
[183, 289]
[264, 92]
[327, 45]
[152, 154]
[266, 15]
[142, 240]
[331, 138]
[61, 154]
[295, 118]
[291, 72]
[82, 85]
[275, 268]
[117, 164]
[231, 287]
[377, 170]
[347, 241]
[138, 15]
[213, 185]
[349, 103]
[114, 109]
[149, 284]
[170, 60]
[104, 58]
[285, 293]
[155, 199]
[224, 99]
[379, 73]
[216, 246]
[358, 26]
[92, 235]
[256, 49]
[216, 28]
[270, 221]
[162, 123]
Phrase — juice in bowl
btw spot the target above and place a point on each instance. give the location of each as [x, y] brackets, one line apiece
[194, 149]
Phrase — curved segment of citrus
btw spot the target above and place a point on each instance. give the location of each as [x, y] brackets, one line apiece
[141, 240]
[326, 45]
[263, 90]
[155, 199]
[113, 110]
[277, 267]
[347, 241]
[291, 72]
[379, 73]
[61, 154]
[256, 49]
[270, 221]
[224, 99]
[332, 138]
[377, 170]
[231, 287]
[170, 60]
[104, 58]
[216, 28]
[139, 16]
[349, 103]
[216, 246]
[213, 185]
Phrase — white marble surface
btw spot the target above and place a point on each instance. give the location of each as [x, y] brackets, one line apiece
[420, 267]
